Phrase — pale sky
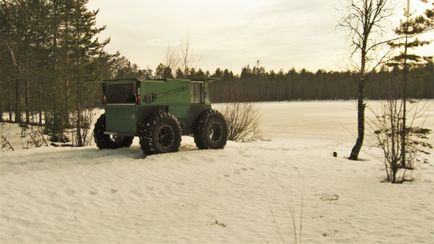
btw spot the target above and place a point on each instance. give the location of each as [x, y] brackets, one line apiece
[228, 33]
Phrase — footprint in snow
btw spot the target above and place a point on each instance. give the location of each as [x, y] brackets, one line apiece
[211, 160]
[21, 163]
[246, 155]
[329, 197]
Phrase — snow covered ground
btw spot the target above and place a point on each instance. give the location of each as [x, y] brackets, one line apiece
[242, 194]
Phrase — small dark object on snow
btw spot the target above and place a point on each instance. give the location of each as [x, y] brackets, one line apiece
[220, 224]
[335, 154]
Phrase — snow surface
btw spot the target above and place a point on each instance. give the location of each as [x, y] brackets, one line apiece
[242, 194]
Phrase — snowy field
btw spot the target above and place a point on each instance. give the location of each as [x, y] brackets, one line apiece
[242, 194]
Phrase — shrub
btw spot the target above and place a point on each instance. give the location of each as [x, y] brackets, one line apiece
[243, 121]
[388, 130]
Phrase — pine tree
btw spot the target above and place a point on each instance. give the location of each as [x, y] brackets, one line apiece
[85, 48]
[409, 32]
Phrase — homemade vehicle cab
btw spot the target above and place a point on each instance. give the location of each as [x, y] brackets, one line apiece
[158, 112]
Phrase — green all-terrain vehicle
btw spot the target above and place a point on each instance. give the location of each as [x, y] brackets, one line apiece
[158, 112]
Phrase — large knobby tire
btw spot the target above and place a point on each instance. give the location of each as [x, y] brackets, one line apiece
[160, 133]
[211, 130]
[105, 141]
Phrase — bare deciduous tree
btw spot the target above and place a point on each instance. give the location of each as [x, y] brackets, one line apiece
[364, 20]
[171, 58]
[186, 56]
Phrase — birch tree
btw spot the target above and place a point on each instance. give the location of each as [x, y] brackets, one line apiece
[365, 21]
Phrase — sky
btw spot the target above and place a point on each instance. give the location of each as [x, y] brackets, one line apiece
[281, 34]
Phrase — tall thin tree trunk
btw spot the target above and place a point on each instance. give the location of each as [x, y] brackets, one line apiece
[40, 106]
[79, 135]
[45, 117]
[360, 121]
[10, 105]
[17, 100]
[78, 129]
[360, 107]
[404, 109]
[66, 88]
[16, 78]
[1, 112]
[57, 117]
[404, 92]
[26, 102]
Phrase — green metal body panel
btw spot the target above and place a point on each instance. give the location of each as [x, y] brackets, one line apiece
[178, 97]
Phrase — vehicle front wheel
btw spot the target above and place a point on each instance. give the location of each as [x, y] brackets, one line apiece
[160, 133]
[211, 130]
[105, 141]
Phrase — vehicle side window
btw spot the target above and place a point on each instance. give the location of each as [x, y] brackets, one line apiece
[197, 93]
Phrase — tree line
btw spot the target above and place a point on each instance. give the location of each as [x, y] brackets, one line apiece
[256, 84]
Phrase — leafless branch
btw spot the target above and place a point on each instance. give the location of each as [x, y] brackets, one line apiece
[171, 58]
[186, 56]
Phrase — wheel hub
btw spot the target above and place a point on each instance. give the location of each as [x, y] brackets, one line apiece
[116, 138]
[215, 132]
[166, 136]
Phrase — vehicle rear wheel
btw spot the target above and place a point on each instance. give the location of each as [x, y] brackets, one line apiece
[211, 130]
[105, 141]
[160, 133]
